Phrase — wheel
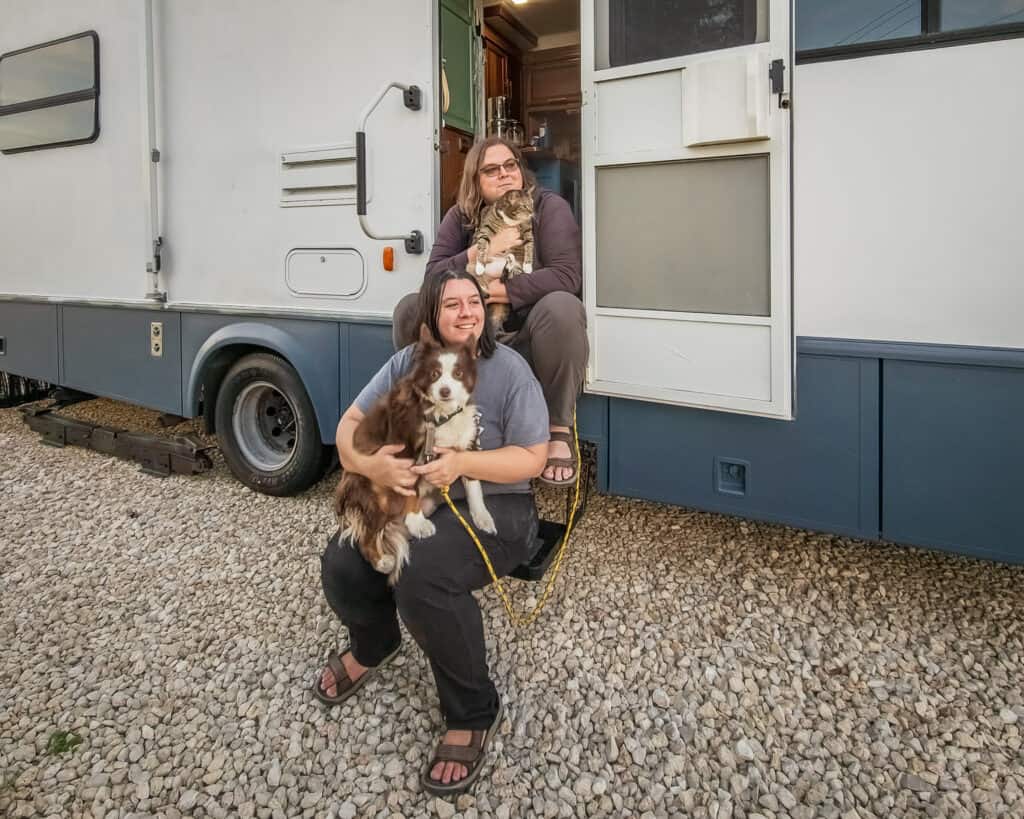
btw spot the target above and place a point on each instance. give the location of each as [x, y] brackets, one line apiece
[267, 428]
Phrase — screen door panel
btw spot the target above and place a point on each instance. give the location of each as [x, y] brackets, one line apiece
[685, 236]
[686, 217]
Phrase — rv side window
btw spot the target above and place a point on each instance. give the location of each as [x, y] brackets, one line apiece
[837, 27]
[49, 94]
[637, 31]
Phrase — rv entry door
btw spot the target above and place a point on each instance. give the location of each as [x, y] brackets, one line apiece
[686, 217]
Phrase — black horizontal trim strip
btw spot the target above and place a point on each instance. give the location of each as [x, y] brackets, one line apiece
[90, 33]
[49, 102]
[918, 43]
[913, 351]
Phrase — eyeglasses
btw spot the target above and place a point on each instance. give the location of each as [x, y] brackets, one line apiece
[508, 166]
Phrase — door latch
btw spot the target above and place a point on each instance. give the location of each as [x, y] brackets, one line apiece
[775, 77]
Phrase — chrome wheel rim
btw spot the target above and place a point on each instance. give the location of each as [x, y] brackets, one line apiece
[265, 426]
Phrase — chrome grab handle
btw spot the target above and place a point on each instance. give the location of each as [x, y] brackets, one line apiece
[412, 97]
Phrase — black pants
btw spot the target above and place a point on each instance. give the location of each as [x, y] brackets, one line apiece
[434, 600]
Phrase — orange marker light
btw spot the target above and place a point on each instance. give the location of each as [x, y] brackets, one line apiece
[389, 258]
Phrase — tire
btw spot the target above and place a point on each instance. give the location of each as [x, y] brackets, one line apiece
[267, 428]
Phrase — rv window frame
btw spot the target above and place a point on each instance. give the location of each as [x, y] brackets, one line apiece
[931, 37]
[57, 100]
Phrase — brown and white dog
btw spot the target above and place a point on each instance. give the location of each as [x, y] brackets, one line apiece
[432, 402]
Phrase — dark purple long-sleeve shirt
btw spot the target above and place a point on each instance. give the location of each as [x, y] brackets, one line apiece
[557, 256]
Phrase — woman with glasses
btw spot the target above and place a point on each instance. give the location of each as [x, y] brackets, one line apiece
[547, 325]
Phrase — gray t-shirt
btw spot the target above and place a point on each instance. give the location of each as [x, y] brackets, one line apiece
[507, 395]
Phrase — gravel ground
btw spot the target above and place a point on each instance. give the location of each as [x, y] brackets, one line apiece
[689, 664]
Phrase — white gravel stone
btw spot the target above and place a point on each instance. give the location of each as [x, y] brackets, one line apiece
[688, 664]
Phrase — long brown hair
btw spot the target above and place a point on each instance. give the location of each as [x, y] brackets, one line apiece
[469, 199]
[429, 306]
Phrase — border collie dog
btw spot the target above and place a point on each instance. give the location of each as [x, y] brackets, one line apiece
[431, 406]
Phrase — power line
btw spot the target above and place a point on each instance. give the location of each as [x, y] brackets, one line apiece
[897, 9]
[898, 26]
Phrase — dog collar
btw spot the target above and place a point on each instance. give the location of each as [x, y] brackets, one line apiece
[444, 419]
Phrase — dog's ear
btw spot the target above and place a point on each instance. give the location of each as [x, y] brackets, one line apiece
[470, 345]
[427, 339]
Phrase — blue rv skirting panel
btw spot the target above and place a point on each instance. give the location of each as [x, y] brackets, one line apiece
[106, 351]
[364, 349]
[310, 346]
[953, 473]
[28, 340]
[819, 471]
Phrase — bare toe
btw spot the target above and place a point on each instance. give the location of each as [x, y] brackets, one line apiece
[328, 683]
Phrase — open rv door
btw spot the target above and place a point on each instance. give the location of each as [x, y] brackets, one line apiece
[686, 217]
[302, 147]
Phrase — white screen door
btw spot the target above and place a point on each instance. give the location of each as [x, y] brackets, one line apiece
[686, 215]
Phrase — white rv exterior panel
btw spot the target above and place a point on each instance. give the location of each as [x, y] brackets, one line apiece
[74, 220]
[261, 116]
[908, 192]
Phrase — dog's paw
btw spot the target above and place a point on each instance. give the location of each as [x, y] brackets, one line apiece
[385, 564]
[419, 526]
[480, 267]
[527, 269]
[484, 522]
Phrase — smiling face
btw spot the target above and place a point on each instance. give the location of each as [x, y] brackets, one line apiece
[499, 172]
[461, 315]
[446, 372]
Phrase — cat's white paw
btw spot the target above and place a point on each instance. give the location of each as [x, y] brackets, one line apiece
[494, 269]
[483, 521]
[527, 269]
[419, 526]
[385, 564]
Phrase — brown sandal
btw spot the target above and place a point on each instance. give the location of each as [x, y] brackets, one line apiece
[343, 684]
[567, 463]
[472, 756]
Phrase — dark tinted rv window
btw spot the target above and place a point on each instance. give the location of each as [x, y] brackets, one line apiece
[827, 23]
[49, 94]
[957, 14]
[837, 29]
[636, 31]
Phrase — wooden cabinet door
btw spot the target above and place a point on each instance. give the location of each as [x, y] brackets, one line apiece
[503, 71]
[553, 77]
[453, 149]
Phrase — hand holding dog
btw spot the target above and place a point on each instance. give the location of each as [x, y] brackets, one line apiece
[497, 293]
[385, 469]
[443, 470]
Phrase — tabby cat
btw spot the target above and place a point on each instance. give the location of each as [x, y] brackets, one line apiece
[513, 209]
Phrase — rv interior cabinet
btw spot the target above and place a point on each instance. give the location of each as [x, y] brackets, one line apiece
[503, 68]
[552, 78]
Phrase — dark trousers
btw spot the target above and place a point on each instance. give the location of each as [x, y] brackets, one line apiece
[434, 600]
[553, 340]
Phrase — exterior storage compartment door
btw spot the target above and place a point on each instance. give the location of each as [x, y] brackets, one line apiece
[686, 216]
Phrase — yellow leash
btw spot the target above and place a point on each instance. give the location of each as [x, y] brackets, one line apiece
[526, 619]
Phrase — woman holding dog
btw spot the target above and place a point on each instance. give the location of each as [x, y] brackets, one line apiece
[433, 594]
[548, 324]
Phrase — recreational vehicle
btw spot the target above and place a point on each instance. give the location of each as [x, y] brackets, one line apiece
[800, 221]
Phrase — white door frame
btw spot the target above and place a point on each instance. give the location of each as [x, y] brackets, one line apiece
[772, 356]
